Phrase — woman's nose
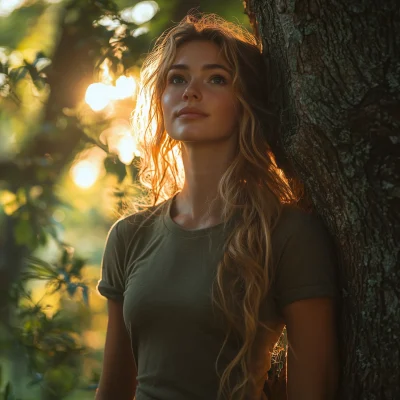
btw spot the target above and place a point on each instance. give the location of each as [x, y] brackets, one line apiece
[192, 91]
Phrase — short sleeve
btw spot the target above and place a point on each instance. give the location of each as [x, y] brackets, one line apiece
[307, 266]
[112, 285]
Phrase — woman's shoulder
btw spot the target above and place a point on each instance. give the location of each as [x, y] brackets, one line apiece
[294, 221]
[140, 219]
[291, 216]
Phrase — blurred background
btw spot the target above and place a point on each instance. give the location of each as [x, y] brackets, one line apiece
[68, 83]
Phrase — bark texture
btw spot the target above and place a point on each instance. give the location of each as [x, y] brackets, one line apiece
[334, 76]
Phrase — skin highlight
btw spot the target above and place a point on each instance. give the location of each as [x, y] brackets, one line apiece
[200, 78]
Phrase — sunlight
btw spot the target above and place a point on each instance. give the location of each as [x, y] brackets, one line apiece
[140, 13]
[140, 31]
[126, 149]
[98, 96]
[109, 23]
[88, 166]
[177, 154]
[8, 6]
[105, 76]
[125, 87]
[120, 141]
[84, 173]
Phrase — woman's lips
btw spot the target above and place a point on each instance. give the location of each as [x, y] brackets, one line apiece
[190, 115]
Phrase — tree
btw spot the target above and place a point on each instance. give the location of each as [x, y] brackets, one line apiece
[334, 80]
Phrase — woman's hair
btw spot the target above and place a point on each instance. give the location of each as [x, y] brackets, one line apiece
[252, 189]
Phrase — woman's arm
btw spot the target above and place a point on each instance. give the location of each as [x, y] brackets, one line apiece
[313, 355]
[118, 378]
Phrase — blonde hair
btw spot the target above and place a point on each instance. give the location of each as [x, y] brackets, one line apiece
[253, 184]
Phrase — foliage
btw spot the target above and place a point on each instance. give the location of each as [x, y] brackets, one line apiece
[41, 103]
[49, 337]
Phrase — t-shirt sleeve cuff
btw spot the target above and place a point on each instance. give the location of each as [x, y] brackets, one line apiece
[108, 291]
[306, 292]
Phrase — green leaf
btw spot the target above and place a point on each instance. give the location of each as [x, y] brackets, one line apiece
[17, 74]
[71, 288]
[116, 167]
[85, 294]
[24, 233]
[77, 266]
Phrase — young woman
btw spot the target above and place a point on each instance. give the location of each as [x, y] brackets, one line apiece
[201, 284]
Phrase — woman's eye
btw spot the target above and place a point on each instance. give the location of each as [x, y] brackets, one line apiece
[218, 79]
[176, 79]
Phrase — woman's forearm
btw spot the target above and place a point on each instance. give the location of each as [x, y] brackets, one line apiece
[115, 393]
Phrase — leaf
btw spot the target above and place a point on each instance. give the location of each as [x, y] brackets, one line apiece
[71, 288]
[32, 70]
[41, 268]
[116, 167]
[17, 74]
[65, 257]
[77, 266]
[85, 294]
[24, 234]
[8, 394]
[37, 378]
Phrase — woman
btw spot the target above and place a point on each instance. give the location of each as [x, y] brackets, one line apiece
[201, 284]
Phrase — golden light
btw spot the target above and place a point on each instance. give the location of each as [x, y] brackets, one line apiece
[177, 154]
[105, 76]
[126, 149]
[88, 167]
[140, 12]
[84, 173]
[125, 86]
[98, 96]
[9, 202]
[120, 141]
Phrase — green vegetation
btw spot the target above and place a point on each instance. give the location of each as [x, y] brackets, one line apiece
[67, 170]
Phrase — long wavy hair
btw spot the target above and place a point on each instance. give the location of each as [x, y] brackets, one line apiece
[253, 184]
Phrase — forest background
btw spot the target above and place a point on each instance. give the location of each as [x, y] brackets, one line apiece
[68, 84]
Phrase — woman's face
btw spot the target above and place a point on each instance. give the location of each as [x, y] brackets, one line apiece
[198, 102]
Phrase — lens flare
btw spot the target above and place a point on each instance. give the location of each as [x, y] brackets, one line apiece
[84, 173]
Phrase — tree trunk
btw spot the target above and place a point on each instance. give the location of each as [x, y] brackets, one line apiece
[334, 70]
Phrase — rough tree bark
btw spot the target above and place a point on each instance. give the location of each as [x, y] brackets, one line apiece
[334, 69]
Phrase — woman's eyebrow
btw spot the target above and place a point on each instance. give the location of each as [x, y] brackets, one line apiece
[204, 67]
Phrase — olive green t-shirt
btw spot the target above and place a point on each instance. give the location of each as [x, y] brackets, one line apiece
[164, 273]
